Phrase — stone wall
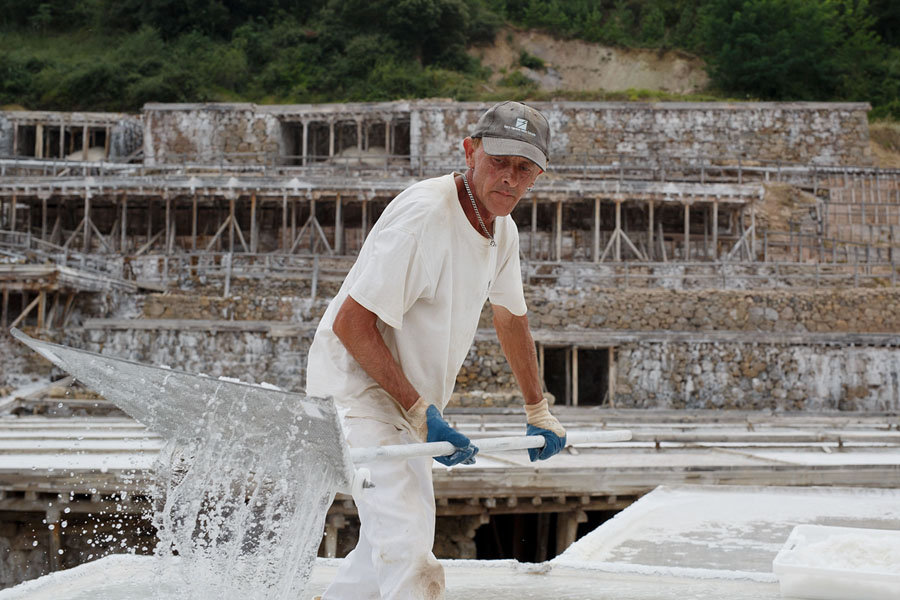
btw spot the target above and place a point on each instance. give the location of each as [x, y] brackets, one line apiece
[205, 133]
[810, 310]
[822, 133]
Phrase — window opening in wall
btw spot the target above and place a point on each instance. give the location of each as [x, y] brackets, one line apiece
[292, 140]
[565, 367]
[317, 142]
[593, 376]
[25, 143]
[400, 144]
[345, 139]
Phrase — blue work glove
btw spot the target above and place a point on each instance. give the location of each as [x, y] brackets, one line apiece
[430, 426]
[439, 430]
[541, 422]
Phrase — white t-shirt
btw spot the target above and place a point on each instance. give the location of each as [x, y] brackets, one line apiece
[425, 272]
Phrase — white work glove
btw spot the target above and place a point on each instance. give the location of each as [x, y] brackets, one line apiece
[541, 422]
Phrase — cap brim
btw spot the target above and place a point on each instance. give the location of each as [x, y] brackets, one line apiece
[508, 147]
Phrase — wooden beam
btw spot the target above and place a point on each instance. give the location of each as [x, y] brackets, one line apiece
[12, 212]
[85, 142]
[86, 239]
[231, 228]
[687, 231]
[596, 253]
[650, 207]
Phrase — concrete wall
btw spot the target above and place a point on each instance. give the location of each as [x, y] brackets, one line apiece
[823, 133]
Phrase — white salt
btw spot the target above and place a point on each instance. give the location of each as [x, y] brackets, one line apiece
[852, 552]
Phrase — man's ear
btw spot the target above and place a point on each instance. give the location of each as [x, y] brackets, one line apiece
[469, 147]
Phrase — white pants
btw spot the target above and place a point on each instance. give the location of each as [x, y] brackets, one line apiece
[393, 558]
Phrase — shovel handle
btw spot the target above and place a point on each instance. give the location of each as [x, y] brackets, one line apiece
[485, 445]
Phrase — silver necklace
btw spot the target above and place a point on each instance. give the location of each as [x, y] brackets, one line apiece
[477, 214]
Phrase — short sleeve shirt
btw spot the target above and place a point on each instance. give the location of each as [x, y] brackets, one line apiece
[426, 273]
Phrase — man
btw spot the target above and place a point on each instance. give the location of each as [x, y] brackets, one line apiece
[392, 341]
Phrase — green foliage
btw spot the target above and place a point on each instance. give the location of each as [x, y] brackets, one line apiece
[530, 61]
[120, 54]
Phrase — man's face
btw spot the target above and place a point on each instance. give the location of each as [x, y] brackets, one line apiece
[499, 182]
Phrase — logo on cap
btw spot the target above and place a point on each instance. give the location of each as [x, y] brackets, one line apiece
[522, 124]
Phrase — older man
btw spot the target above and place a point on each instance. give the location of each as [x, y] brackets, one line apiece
[391, 343]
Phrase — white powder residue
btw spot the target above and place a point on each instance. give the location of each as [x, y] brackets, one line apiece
[853, 552]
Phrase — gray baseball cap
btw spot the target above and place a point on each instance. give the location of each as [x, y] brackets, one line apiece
[514, 129]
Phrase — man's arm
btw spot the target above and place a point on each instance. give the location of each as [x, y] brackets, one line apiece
[355, 326]
[518, 346]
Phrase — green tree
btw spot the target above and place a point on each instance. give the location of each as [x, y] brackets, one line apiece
[772, 49]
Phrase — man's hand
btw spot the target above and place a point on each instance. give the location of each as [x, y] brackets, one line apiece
[431, 427]
[541, 422]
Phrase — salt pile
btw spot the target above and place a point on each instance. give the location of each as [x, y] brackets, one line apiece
[853, 552]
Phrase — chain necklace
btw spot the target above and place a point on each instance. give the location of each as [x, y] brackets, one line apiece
[477, 214]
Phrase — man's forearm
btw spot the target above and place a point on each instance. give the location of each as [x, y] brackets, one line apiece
[356, 327]
[518, 346]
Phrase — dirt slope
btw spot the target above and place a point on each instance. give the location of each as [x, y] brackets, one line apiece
[575, 65]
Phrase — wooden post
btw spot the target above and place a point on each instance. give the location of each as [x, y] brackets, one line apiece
[330, 139]
[254, 236]
[15, 151]
[305, 149]
[687, 231]
[596, 230]
[284, 222]
[85, 143]
[611, 377]
[365, 220]
[387, 138]
[87, 223]
[55, 533]
[62, 141]
[43, 219]
[618, 232]
[231, 225]
[42, 308]
[650, 206]
[752, 233]
[12, 212]
[574, 375]
[39, 141]
[194, 222]
[124, 230]
[4, 312]
[168, 225]
[568, 398]
[107, 141]
[339, 224]
[715, 229]
[558, 230]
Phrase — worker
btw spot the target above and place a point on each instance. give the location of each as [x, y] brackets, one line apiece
[391, 343]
